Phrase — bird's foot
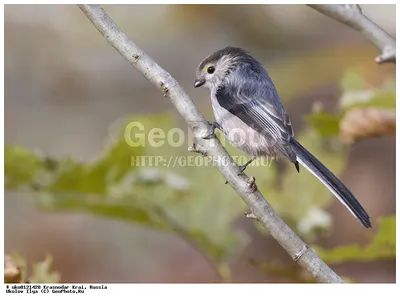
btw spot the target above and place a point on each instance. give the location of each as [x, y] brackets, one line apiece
[211, 132]
[243, 167]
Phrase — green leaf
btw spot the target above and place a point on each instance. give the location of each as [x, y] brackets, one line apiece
[326, 124]
[368, 98]
[130, 210]
[207, 244]
[357, 93]
[20, 166]
[76, 177]
[292, 273]
[382, 246]
[387, 232]
[352, 81]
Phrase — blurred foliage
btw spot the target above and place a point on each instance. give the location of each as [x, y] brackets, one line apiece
[326, 123]
[39, 272]
[284, 272]
[12, 271]
[355, 93]
[300, 198]
[192, 201]
[288, 273]
[113, 186]
[382, 246]
[176, 200]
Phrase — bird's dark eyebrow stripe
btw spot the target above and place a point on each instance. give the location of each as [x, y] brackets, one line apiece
[232, 51]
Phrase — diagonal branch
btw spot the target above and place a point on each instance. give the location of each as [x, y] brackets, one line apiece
[244, 186]
[353, 16]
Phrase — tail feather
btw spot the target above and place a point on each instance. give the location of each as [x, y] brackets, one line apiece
[341, 192]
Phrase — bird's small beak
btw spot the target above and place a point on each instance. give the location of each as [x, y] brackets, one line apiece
[199, 82]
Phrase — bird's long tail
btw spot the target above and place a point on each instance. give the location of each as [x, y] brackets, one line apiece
[312, 164]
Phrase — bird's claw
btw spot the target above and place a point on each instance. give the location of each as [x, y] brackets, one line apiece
[211, 132]
[209, 136]
[241, 169]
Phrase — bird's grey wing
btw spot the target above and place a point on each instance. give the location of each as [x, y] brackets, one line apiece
[257, 110]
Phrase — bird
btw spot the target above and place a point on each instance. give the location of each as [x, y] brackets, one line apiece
[250, 113]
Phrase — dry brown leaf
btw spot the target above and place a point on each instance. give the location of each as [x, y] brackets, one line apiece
[361, 123]
[12, 273]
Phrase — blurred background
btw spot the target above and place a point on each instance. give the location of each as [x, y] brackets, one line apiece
[77, 210]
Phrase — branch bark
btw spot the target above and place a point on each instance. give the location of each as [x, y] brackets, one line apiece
[352, 16]
[244, 186]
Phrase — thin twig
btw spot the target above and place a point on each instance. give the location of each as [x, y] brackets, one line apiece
[352, 16]
[250, 216]
[248, 192]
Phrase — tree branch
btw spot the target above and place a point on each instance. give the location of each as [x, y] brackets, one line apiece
[352, 16]
[244, 186]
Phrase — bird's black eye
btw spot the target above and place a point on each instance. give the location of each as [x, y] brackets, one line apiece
[210, 69]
